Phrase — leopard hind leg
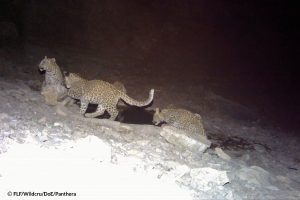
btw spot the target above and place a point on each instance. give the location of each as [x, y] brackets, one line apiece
[113, 112]
[100, 111]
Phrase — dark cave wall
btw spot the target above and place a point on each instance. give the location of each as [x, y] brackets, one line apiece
[139, 27]
[231, 37]
[113, 26]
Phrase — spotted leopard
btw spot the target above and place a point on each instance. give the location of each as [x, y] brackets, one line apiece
[181, 119]
[99, 92]
[120, 86]
[54, 85]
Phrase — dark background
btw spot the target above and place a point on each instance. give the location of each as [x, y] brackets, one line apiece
[246, 51]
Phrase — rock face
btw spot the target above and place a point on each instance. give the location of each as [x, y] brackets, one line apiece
[256, 175]
[207, 178]
[222, 154]
[194, 143]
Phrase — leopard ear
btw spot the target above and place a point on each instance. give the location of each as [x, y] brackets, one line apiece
[53, 60]
[45, 57]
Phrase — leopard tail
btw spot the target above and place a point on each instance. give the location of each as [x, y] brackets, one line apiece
[133, 102]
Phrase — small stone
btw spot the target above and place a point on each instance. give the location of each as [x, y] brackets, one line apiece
[245, 157]
[58, 124]
[158, 150]
[136, 153]
[67, 128]
[207, 178]
[43, 136]
[42, 120]
[222, 154]
[259, 148]
[143, 142]
[61, 110]
[180, 170]
[3, 116]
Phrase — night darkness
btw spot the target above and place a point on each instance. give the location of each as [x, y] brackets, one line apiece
[246, 51]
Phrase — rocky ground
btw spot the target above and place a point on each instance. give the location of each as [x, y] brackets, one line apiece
[53, 149]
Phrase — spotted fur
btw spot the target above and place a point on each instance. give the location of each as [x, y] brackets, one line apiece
[181, 119]
[99, 92]
[120, 86]
[54, 79]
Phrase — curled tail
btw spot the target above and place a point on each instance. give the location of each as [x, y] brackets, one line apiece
[133, 102]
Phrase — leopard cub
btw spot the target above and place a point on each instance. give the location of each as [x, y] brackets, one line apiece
[181, 119]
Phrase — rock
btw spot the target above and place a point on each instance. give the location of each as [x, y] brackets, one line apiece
[61, 110]
[176, 170]
[4, 116]
[255, 175]
[57, 124]
[67, 128]
[136, 153]
[180, 139]
[222, 154]
[206, 178]
[43, 136]
[260, 148]
[142, 142]
[283, 179]
[42, 120]
[157, 150]
[245, 157]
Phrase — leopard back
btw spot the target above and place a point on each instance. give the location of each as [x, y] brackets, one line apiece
[181, 119]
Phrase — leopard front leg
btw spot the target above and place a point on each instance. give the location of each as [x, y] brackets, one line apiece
[68, 101]
[83, 106]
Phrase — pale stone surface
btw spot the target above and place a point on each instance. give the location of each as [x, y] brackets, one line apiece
[94, 147]
[255, 175]
[206, 178]
[180, 139]
[222, 154]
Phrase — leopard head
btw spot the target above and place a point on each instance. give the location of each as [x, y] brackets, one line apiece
[72, 78]
[46, 64]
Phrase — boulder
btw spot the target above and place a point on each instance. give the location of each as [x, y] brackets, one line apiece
[181, 139]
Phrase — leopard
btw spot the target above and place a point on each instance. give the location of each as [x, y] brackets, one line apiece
[120, 86]
[102, 93]
[181, 119]
[53, 88]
